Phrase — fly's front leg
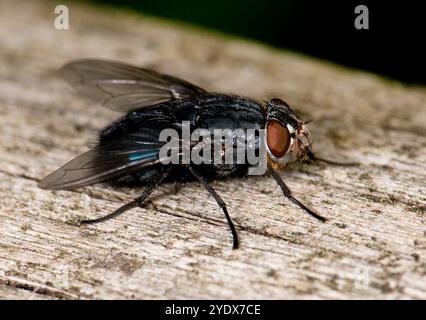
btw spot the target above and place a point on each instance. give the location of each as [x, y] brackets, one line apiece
[287, 192]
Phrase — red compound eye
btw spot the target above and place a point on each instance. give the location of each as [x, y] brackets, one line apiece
[278, 138]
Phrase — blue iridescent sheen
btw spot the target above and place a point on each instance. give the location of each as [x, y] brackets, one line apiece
[143, 155]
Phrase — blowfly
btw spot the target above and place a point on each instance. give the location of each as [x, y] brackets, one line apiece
[128, 151]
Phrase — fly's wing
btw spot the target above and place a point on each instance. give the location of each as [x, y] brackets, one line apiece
[122, 87]
[100, 165]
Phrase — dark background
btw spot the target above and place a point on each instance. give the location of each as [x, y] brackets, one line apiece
[393, 45]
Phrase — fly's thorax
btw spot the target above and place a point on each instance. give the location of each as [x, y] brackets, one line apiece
[287, 138]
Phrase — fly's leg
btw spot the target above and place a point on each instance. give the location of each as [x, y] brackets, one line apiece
[220, 202]
[176, 187]
[287, 192]
[130, 205]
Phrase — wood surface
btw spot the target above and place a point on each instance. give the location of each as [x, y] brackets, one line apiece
[178, 245]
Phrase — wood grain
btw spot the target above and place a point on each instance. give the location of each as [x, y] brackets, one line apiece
[179, 245]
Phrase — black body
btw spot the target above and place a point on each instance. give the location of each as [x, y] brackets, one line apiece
[209, 111]
[128, 150]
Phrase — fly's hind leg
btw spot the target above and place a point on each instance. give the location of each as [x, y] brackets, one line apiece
[130, 205]
[220, 202]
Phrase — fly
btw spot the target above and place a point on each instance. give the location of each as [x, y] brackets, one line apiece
[129, 150]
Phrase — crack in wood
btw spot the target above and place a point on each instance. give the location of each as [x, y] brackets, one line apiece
[24, 284]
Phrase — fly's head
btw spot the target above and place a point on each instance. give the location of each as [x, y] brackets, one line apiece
[287, 138]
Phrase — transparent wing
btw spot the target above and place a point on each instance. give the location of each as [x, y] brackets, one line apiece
[98, 165]
[122, 87]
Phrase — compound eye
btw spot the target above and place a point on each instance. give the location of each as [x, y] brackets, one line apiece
[278, 138]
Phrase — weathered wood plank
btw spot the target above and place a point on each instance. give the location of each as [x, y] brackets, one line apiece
[179, 245]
